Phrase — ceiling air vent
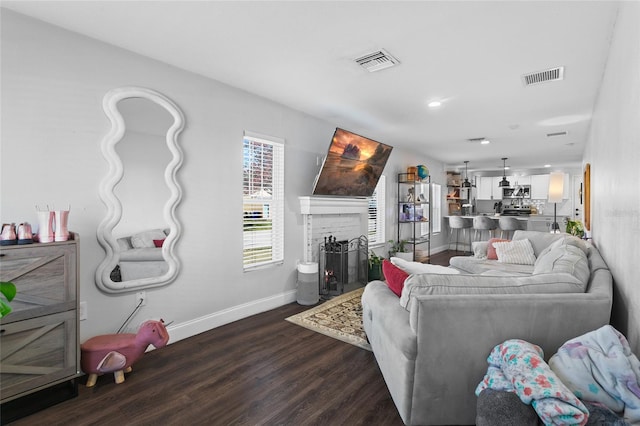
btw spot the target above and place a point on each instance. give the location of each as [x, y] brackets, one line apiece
[552, 74]
[377, 61]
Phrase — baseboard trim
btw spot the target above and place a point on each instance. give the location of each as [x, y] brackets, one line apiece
[435, 250]
[217, 319]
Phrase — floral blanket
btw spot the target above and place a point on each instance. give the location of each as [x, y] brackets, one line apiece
[518, 366]
[600, 367]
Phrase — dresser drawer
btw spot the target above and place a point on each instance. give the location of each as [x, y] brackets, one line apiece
[37, 353]
[45, 277]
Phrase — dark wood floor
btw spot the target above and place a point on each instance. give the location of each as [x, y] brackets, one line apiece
[261, 370]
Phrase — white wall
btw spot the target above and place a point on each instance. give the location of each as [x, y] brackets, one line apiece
[53, 82]
[613, 151]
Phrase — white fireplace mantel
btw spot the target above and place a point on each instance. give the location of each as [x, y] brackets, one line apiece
[332, 205]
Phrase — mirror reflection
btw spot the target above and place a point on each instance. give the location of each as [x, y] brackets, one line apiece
[140, 191]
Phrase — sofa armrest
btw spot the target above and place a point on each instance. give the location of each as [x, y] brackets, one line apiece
[391, 322]
[393, 342]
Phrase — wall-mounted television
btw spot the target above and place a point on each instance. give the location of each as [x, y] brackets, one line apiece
[352, 166]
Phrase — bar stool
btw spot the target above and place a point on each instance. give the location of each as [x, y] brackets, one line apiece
[509, 224]
[460, 223]
[483, 223]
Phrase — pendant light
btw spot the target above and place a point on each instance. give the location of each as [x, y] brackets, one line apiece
[466, 183]
[504, 183]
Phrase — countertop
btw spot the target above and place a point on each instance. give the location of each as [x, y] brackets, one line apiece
[491, 216]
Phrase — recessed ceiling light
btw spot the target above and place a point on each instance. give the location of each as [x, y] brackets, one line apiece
[485, 142]
[547, 165]
[434, 104]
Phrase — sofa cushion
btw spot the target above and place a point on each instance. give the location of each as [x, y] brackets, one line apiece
[124, 243]
[576, 242]
[564, 258]
[141, 255]
[479, 249]
[471, 265]
[145, 239]
[498, 272]
[394, 277]
[519, 252]
[421, 268]
[434, 284]
[539, 240]
[566, 240]
[491, 249]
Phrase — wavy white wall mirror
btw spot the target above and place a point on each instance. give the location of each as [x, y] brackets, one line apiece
[140, 230]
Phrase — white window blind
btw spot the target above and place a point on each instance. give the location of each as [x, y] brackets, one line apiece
[436, 211]
[436, 208]
[377, 214]
[263, 201]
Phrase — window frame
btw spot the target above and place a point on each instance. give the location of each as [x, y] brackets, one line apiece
[272, 206]
[436, 208]
[377, 220]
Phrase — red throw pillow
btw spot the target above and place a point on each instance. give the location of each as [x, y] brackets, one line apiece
[491, 250]
[394, 277]
[158, 243]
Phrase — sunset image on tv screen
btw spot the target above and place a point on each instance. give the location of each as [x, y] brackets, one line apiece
[352, 167]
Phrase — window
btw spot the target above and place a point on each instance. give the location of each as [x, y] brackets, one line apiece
[376, 214]
[436, 208]
[436, 211]
[263, 201]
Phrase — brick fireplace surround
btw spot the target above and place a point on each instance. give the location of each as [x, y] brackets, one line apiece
[343, 218]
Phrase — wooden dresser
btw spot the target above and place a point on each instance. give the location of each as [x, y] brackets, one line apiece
[39, 339]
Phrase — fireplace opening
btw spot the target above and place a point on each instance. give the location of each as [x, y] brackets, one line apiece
[343, 265]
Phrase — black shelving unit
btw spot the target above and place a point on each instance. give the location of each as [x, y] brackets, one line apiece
[415, 209]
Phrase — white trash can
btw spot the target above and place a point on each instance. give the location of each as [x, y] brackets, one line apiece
[308, 291]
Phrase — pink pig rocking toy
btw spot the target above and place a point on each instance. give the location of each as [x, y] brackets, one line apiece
[116, 353]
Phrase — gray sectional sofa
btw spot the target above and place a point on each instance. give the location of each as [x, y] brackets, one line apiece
[432, 343]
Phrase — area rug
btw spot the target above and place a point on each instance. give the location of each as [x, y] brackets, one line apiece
[340, 318]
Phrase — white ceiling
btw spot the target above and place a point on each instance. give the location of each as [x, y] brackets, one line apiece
[468, 54]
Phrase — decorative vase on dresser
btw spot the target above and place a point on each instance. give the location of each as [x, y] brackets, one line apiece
[39, 346]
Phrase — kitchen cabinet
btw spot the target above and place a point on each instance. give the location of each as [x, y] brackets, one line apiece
[484, 188]
[488, 188]
[519, 180]
[566, 187]
[39, 340]
[543, 223]
[539, 187]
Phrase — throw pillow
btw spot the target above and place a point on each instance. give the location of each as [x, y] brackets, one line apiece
[519, 252]
[145, 239]
[394, 277]
[158, 243]
[565, 258]
[421, 268]
[491, 250]
[480, 249]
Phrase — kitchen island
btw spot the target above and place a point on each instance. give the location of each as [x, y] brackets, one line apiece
[535, 222]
